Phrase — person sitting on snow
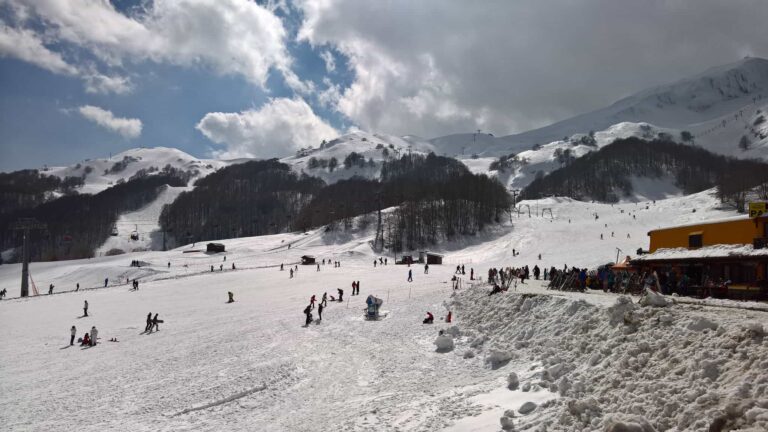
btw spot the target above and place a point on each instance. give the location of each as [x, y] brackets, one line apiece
[496, 289]
[86, 340]
[429, 319]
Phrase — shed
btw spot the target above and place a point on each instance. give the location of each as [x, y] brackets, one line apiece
[434, 258]
[215, 247]
[307, 260]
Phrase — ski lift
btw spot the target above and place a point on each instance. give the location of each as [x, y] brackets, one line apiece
[135, 234]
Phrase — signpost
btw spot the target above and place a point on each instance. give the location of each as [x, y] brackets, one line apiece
[757, 209]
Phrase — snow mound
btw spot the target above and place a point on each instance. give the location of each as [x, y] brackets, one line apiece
[444, 343]
[652, 298]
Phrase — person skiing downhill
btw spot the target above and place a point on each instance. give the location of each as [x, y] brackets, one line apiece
[73, 332]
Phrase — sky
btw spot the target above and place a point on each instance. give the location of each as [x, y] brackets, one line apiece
[237, 78]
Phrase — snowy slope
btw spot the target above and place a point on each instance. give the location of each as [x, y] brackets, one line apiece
[102, 175]
[214, 366]
[371, 146]
[145, 221]
[689, 104]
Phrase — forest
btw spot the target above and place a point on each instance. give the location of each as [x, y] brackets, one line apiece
[248, 199]
[436, 198]
[78, 224]
[605, 175]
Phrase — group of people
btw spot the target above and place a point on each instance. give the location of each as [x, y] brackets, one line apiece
[380, 261]
[323, 304]
[152, 323]
[87, 339]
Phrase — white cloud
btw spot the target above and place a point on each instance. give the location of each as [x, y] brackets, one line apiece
[237, 37]
[506, 67]
[330, 62]
[276, 129]
[126, 127]
[98, 83]
[25, 45]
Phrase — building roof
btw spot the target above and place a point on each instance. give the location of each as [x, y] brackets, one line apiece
[708, 252]
[709, 222]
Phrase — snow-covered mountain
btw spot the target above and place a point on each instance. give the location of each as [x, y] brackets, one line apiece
[100, 174]
[725, 98]
[372, 147]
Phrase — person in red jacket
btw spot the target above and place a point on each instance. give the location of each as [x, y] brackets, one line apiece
[429, 319]
[86, 340]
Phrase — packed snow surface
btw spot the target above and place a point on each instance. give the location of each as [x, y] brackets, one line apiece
[582, 361]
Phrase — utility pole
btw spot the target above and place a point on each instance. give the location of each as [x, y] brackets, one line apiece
[25, 225]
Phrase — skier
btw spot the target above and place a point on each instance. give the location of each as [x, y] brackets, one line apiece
[308, 313]
[106, 282]
[169, 264]
[211, 268]
[85, 308]
[385, 261]
[281, 266]
[221, 267]
[233, 266]
[318, 267]
[324, 301]
[3, 293]
[374, 263]
[426, 268]
[312, 302]
[94, 335]
[357, 287]
[472, 274]
[50, 289]
[341, 294]
[458, 270]
[78, 287]
[429, 319]
[354, 287]
[536, 272]
[155, 323]
[462, 269]
[148, 327]
[319, 312]
[73, 332]
[410, 275]
[231, 297]
[291, 274]
[86, 341]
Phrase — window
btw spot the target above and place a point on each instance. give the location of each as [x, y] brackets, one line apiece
[694, 240]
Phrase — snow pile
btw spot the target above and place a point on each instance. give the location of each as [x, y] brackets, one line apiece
[652, 298]
[626, 367]
[444, 343]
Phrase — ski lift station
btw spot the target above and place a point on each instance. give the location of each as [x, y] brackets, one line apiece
[215, 248]
[307, 260]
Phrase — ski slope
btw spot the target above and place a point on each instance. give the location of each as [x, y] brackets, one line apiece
[251, 365]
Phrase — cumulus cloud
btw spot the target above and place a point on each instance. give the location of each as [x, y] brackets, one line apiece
[126, 127]
[276, 129]
[238, 37]
[27, 46]
[510, 66]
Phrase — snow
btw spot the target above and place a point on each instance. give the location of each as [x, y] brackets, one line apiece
[141, 158]
[584, 359]
[704, 252]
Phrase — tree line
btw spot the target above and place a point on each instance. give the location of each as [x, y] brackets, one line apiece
[77, 224]
[606, 175]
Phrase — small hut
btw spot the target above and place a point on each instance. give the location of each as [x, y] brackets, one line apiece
[307, 260]
[215, 247]
[434, 258]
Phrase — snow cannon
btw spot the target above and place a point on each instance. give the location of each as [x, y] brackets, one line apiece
[372, 311]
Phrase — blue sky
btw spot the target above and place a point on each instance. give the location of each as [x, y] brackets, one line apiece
[237, 78]
[39, 123]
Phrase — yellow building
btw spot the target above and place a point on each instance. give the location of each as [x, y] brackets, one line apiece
[741, 230]
[723, 258]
